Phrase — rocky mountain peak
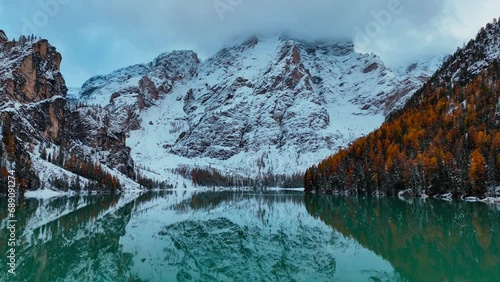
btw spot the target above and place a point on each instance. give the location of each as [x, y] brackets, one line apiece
[264, 97]
[30, 75]
[31, 72]
[141, 84]
[292, 69]
[177, 61]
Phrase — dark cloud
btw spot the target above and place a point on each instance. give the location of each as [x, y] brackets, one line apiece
[99, 36]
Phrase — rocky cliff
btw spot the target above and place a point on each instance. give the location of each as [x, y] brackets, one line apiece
[39, 127]
[33, 87]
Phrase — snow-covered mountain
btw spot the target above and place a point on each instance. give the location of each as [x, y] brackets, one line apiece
[469, 61]
[270, 104]
[41, 133]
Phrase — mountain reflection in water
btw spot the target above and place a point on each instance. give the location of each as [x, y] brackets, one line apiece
[252, 236]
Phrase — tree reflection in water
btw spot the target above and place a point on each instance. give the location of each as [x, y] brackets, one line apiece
[424, 240]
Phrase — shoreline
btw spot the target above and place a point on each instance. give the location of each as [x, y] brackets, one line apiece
[406, 194]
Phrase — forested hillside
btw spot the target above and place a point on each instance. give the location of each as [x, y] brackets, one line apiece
[446, 139]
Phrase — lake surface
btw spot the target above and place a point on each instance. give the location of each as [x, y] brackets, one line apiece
[252, 236]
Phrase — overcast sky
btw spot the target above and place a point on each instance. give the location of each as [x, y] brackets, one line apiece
[99, 36]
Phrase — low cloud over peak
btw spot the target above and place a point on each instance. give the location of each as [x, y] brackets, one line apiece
[99, 36]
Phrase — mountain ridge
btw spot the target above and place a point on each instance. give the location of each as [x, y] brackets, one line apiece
[267, 106]
[287, 73]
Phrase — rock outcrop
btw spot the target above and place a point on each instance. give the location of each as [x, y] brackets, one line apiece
[36, 115]
[32, 86]
[95, 131]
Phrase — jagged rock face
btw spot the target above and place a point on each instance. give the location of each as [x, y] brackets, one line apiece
[127, 91]
[38, 77]
[96, 129]
[49, 118]
[285, 100]
[245, 113]
[148, 81]
[119, 158]
[147, 89]
[30, 78]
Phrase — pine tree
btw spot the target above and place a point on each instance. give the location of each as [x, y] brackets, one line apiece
[477, 173]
